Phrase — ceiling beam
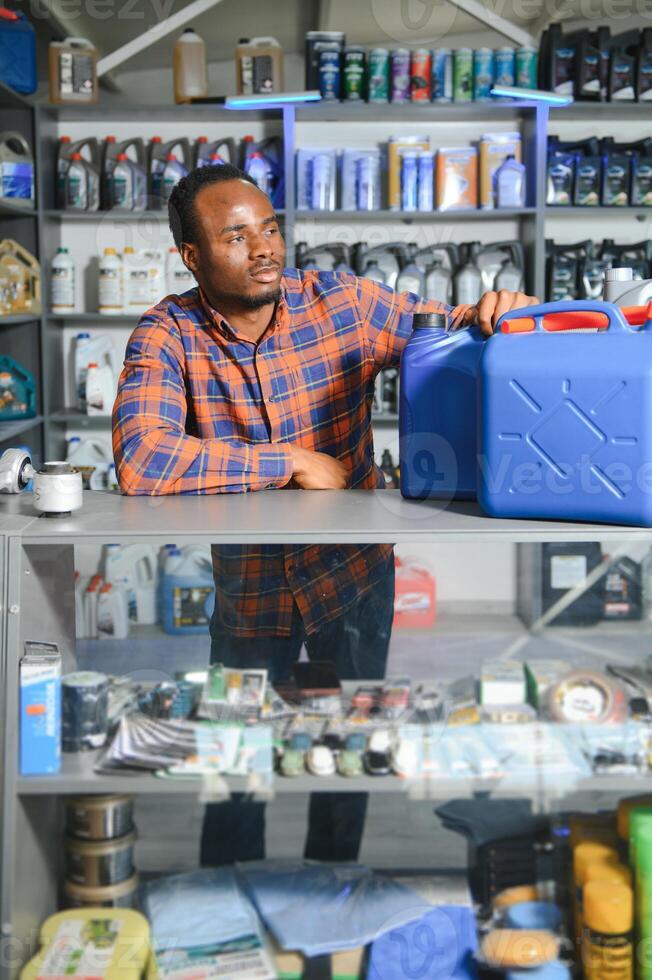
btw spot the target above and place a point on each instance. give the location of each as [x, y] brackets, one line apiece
[486, 15]
[154, 34]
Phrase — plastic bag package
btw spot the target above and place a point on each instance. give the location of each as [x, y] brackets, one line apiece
[318, 909]
[198, 909]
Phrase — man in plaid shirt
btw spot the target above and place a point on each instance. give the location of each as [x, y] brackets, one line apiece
[263, 378]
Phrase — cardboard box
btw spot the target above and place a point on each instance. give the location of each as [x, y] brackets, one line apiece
[395, 148]
[40, 709]
[456, 181]
[494, 150]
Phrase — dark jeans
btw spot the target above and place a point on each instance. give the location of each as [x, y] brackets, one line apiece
[357, 643]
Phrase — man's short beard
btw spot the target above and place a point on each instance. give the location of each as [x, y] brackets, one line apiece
[250, 302]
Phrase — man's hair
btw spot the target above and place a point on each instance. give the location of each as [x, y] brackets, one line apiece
[181, 205]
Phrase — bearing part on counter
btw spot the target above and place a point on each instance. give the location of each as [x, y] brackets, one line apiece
[587, 696]
[99, 817]
[110, 896]
[100, 863]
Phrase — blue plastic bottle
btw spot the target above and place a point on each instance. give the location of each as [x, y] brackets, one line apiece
[437, 410]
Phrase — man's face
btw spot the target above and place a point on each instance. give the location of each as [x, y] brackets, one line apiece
[240, 253]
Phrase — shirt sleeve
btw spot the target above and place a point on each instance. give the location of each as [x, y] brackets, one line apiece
[387, 319]
[153, 453]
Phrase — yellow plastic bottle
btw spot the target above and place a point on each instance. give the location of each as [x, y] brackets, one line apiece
[584, 855]
[607, 947]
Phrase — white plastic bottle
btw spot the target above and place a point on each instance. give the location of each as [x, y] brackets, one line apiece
[110, 283]
[134, 567]
[156, 275]
[90, 607]
[92, 458]
[100, 389]
[98, 349]
[80, 619]
[112, 617]
[62, 272]
[258, 169]
[178, 277]
[172, 174]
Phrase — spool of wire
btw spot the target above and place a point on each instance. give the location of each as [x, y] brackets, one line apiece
[85, 704]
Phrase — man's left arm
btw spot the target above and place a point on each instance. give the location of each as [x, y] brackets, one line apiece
[387, 316]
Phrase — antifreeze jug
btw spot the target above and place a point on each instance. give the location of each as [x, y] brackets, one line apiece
[205, 150]
[20, 279]
[89, 149]
[437, 410]
[188, 591]
[17, 391]
[123, 181]
[16, 170]
[157, 157]
[621, 288]
[17, 51]
[564, 433]
[134, 567]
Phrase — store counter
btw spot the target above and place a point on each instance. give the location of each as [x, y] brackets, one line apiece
[288, 516]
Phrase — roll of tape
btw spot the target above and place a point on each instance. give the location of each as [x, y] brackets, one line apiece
[587, 696]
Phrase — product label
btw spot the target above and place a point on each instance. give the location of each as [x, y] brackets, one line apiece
[190, 605]
[110, 288]
[567, 571]
[62, 286]
[241, 959]
[81, 949]
[17, 180]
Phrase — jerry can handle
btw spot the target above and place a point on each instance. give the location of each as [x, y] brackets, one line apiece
[578, 309]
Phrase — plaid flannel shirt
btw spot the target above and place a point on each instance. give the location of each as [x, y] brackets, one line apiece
[201, 409]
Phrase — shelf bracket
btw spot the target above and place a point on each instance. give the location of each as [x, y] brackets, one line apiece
[154, 34]
[487, 15]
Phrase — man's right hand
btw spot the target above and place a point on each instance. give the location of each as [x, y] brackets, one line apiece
[317, 471]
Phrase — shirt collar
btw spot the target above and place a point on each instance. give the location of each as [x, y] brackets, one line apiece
[279, 320]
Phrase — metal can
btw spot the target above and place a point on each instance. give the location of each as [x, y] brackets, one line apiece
[463, 75]
[420, 75]
[400, 67]
[483, 74]
[425, 180]
[354, 74]
[442, 75]
[378, 75]
[409, 181]
[526, 67]
[315, 40]
[504, 62]
[329, 72]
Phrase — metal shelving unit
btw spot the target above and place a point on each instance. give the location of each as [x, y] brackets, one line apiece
[21, 332]
[38, 559]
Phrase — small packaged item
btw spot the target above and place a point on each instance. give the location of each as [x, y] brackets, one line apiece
[316, 179]
[508, 714]
[361, 190]
[395, 697]
[457, 178]
[92, 942]
[40, 709]
[396, 146]
[502, 682]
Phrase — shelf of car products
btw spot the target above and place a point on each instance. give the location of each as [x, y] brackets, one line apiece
[11, 430]
[641, 213]
[53, 118]
[18, 319]
[16, 211]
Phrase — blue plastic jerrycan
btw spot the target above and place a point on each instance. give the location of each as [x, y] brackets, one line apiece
[565, 415]
[437, 410]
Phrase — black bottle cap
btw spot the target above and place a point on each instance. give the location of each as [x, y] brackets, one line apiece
[436, 320]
